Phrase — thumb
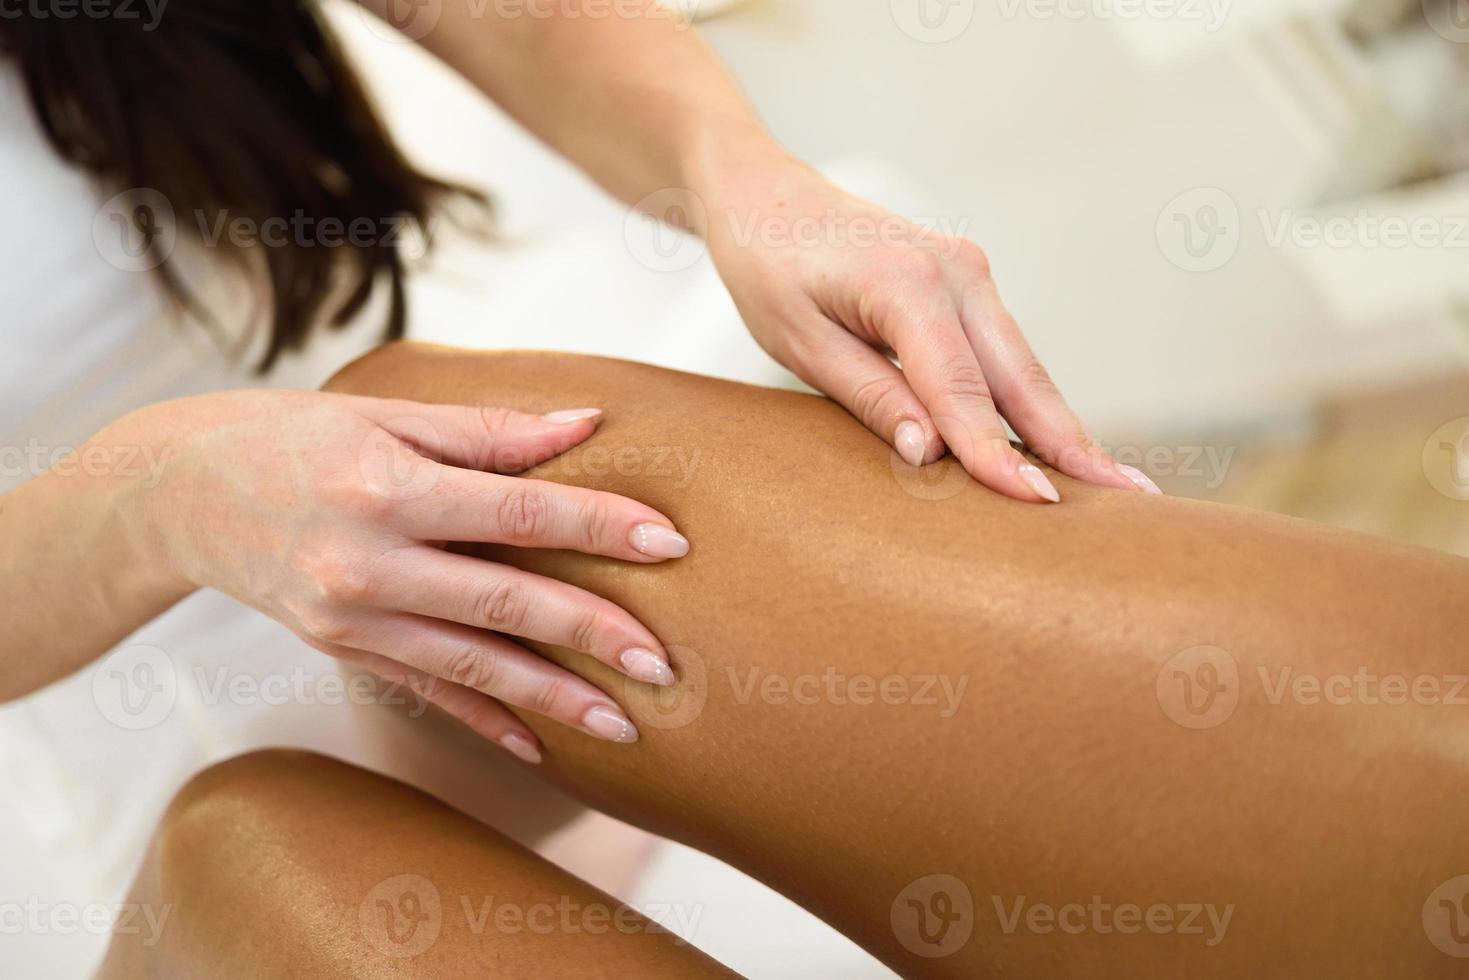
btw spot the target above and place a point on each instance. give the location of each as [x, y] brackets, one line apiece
[495, 440]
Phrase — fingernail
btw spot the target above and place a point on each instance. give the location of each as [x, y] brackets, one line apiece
[1139, 478]
[522, 748]
[1037, 481]
[657, 541]
[647, 666]
[571, 415]
[609, 723]
[910, 443]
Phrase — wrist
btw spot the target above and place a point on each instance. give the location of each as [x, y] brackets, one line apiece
[138, 494]
[732, 168]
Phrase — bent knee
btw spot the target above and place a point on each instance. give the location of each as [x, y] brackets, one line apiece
[278, 788]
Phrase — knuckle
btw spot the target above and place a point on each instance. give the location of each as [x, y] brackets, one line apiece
[590, 624]
[324, 626]
[964, 380]
[874, 400]
[503, 606]
[336, 579]
[494, 419]
[523, 514]
[473, 667]
[976, 259]
[595, 521]
[1033, 377]
[920, 268]
[549, 696]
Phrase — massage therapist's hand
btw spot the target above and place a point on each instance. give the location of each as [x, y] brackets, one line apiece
[327, 512]
[831, 285]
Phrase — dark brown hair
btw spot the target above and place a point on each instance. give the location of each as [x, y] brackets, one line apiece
[238, 109]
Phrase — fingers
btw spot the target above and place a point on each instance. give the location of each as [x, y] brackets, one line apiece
[870, 386]
[484, 715]
[492, 665]
[944, 372]
[1030, 400]
[488, 596]
[464, 505]
[495, 440]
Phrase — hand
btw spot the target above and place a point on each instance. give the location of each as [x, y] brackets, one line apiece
[328, 513]
[833, 287]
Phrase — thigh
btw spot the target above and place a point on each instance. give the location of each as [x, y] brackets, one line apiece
[912, 704]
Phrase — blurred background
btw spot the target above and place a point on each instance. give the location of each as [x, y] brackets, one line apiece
[1236, 231]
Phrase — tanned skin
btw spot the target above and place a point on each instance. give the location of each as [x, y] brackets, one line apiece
[1250, 731]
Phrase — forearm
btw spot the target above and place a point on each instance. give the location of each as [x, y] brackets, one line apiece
[77, 574]
[623, 88]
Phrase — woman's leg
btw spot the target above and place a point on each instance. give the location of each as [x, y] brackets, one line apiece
[1122, 736]
[291, 865]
